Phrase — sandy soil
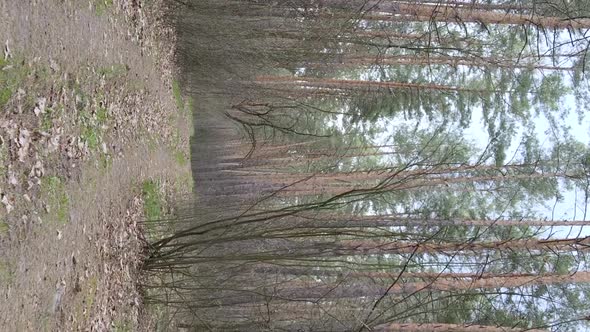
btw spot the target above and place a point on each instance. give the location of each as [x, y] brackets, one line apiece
[87, 115]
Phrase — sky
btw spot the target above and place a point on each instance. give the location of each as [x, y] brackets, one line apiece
[572, 205]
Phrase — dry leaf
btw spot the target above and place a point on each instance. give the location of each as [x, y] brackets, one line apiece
[53, 65]
[7, 52]
[53, 143]
[12, 179]
[24, 140]
[38, 170]
[9, 207]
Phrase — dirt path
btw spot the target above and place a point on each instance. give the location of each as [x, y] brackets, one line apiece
[94, 137]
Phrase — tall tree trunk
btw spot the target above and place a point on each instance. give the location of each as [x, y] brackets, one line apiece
[442, 327]
[328, 83]
[398, 247]
[444, 60]
[453, 13]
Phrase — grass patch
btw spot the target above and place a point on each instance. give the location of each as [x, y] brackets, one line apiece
[82, 100]
[91, 136]
[184, 104]
[53, 190]
[92, 127]
[190, 104]
[122, 325]
[180, 158]
[150, 139]
[3, 228]
[101, 115]
[184, 182]
[91, 295]
[47, 119]
[177, 95]
[152, 143]
[84, 304]
[153, 203]
[6, 273]
[113, 71]
[12, 73]
[161, 316]
[105, 162]
[101, 6]
[154, 209]
[3, 159]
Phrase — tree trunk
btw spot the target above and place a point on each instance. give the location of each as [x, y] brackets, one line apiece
[395, 11]
[327, 83]
[441, 327]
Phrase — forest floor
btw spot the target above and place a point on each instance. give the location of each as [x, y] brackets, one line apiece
[94, 135]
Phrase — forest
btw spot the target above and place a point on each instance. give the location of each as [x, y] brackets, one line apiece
[381, 165]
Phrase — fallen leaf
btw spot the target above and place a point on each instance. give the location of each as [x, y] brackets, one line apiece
[53, 65]
[24, 137]
[61, 289]
[38, 170]
[53, 143]
[24, 141]
[12, 179]
[7, 52]
[9, 207]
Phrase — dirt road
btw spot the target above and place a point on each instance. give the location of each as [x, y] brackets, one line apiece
[94, 134]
